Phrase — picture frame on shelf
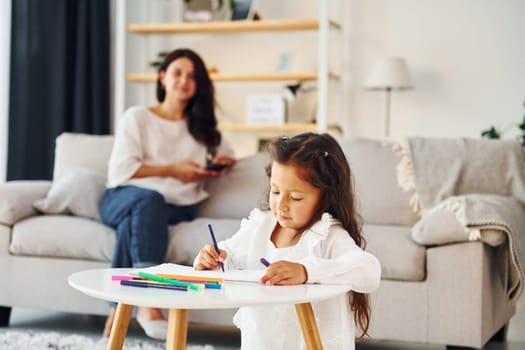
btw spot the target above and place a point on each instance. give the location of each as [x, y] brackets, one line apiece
[265, 109]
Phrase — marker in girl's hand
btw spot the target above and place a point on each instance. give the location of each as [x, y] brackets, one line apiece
[264, 262]
[215, 245]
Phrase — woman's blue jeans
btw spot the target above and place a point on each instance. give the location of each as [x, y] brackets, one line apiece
[141, 218]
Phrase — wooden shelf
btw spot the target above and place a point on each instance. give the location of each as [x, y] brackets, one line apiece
[228, 26]
[298, 76]
[290, 127]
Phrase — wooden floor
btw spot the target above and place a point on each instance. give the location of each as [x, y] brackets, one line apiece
[222, 338]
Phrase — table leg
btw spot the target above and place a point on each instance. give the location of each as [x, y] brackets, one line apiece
[120, 327]
[177, 329]
[308, 326]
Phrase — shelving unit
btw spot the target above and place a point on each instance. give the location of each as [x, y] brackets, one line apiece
[321, 25]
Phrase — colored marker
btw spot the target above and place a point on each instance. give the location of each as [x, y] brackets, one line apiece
[215, 245]
[120, 278]
[264, 262]
[188, 278]
[156, 278]
[151, 285]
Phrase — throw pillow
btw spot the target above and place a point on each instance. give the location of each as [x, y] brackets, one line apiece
[76, 191]
[441, 226]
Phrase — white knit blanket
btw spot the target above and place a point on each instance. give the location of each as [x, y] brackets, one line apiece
[481, 181]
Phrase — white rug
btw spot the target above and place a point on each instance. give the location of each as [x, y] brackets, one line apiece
[17, 340]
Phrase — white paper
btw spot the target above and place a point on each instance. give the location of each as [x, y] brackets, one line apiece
[228, 275]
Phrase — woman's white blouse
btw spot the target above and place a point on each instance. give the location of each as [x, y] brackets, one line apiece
[329, 254]
[144, 138]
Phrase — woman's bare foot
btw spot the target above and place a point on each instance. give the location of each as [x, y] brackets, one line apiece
[109, 323]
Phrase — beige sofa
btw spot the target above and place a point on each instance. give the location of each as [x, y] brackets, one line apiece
[448, 294]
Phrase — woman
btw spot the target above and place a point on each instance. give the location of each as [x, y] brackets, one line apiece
[158, 166]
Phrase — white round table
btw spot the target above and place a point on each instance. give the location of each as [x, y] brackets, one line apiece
[98, 284]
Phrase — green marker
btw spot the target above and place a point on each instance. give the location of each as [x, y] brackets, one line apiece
[193, 286]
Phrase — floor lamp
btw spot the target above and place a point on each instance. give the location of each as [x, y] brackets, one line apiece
[386, 75]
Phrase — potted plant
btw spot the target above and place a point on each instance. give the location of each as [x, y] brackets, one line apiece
[495, 133]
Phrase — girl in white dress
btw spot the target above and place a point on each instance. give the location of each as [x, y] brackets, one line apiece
[311, 233]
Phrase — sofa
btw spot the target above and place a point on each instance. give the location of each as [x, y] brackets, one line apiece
[449, 294]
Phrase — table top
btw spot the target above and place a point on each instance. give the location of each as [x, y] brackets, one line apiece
[98, 284]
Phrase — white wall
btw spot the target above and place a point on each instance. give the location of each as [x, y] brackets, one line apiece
[467, 60]
[5, 49]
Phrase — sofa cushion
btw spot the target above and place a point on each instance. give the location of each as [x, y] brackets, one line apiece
[63, 237]
[237, 193]
[400, 257]
[380, 200]
[83, 150]
[71, 237]
[187, 238]
[76, 191]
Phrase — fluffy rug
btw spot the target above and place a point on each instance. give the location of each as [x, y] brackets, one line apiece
[16, 340]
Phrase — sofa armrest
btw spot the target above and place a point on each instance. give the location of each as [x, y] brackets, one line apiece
[17, 197]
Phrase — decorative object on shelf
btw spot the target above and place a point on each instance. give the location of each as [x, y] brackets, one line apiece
[158, 61]
[497, 133]
[293, 91]
[243, 10]
[284, 62]
[262, 143]
[386, 75]
[266, 109]
[207, 10]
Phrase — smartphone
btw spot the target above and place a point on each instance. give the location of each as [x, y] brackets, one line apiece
[215, 166]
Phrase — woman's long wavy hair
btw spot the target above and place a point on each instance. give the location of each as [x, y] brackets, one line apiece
[325, 166]
[200, 110]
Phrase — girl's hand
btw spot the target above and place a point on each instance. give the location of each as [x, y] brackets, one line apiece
[209, 258]
[284, 273]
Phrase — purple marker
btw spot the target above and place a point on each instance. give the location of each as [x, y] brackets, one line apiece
[264, 262]
[215, 245]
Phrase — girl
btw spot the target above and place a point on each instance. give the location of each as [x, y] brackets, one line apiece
[311, 233]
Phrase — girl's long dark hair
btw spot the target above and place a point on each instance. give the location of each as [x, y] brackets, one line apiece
[200, 110]
[325, 166]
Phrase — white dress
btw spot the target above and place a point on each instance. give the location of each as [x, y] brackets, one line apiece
[329, 254]
[144, 138]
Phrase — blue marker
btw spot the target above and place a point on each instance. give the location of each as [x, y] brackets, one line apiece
[264, 262]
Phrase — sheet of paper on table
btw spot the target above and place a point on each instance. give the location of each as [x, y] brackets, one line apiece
[228, 275]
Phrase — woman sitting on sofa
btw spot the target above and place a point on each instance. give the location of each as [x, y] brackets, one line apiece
[161, 157]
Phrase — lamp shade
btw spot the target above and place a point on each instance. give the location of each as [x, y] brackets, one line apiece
[389, 73]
